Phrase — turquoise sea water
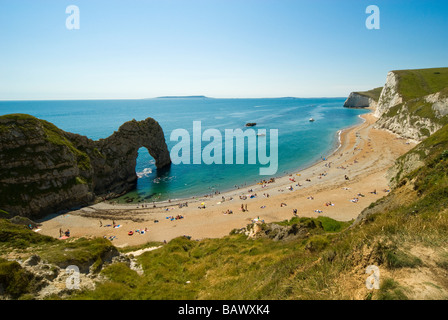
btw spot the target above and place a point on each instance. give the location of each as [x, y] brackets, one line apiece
[300, 142]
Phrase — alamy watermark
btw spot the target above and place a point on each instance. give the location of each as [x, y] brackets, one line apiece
[373, 20]
[212, 153]
[73, 280]
[373, 281]
[72, 22]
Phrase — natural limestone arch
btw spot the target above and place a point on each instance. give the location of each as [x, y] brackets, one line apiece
[44, 169]
[114, 165]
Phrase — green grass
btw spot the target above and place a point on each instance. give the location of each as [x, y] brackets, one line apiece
[421, 82]
[325, 223]
[55, 136]
[391, 290]
[84, 253]
[14, 236]
[4, 214]
[14, 280]
[374, 93]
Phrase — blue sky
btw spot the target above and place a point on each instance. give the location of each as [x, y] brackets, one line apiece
[219, 48]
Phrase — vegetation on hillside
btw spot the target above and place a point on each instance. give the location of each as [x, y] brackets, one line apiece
[417, 83]
[374, 93]
[404, 234]
[417, 112]
[328, 263]
[320, 266]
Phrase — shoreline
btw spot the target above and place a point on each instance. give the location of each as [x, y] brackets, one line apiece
[199, 198]
[364, 154]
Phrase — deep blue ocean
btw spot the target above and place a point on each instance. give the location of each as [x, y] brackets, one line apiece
[300, 142]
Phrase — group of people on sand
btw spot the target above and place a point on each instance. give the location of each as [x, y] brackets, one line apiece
[138, 231]
[250, 196]
[211, 195]
[183, 204]
[264, 182]
[223, 199]
[172, 218]
[323, 174]
[64, 233]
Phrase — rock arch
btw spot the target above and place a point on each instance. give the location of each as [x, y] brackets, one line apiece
[44, 169]
[114, 164]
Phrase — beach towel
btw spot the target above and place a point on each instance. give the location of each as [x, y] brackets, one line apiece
[118, 226]
[63, 237]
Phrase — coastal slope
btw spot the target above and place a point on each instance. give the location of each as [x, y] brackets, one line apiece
[403, 234]
[273, 252]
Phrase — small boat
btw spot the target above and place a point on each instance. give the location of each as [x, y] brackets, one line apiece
[260, 134]
[311, 120]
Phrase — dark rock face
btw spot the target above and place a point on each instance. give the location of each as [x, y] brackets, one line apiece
[113, 159]
[44, 169]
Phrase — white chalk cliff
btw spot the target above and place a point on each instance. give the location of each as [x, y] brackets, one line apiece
[356, 100]
[389, 96]
[415, 118]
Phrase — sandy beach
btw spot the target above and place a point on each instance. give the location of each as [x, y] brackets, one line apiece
[340, 187]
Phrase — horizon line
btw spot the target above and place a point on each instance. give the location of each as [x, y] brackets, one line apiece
[175, 97]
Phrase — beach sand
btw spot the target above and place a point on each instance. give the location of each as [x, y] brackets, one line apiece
[364, 155]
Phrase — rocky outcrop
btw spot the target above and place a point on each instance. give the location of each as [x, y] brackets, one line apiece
[356, 100]
[390, 95]
[363, 99]
[114, 159]
[44, 169]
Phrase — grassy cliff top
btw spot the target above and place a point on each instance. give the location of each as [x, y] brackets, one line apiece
[374, 93]
[421, 82]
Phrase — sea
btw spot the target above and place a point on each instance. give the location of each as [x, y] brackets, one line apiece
[301, 142]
